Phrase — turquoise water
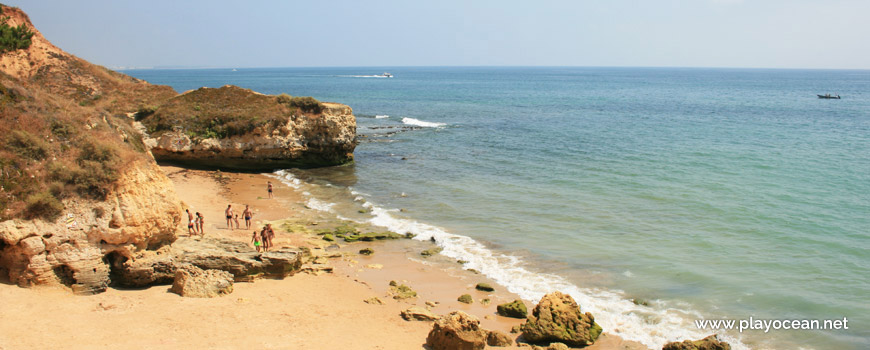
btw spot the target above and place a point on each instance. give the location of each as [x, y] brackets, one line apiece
[711, 193]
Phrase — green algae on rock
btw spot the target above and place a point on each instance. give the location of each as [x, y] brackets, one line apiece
[515, 309]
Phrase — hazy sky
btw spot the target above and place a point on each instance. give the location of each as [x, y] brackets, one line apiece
[682, 33]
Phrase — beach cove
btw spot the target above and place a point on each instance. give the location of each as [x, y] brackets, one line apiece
[316, 310]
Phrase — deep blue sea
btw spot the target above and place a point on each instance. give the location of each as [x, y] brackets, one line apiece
[709, 193]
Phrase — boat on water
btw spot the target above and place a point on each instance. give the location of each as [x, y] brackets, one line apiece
[387, 75]
[829, 97]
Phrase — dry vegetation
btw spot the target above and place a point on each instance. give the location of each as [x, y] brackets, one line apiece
[223, 112]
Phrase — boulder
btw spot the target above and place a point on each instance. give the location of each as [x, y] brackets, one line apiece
[708, 343]
[515, 309]
[366, 251]
[557, 318]
[239, 259]
[416, 313]
[484, 287]
[457, 331]
[193, 282]
[465, 298]
[499, 339]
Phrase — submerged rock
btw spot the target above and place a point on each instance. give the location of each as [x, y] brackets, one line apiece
[515, 309]
[708, 343]
[457, 331]
[431, 251]
[193, 282]
[557, 318]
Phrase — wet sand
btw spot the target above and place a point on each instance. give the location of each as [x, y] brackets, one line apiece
[304, 311]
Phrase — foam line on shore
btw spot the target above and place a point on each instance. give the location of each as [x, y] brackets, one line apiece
[651, 326]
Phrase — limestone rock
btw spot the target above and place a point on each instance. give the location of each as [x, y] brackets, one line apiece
[416, 313]
[457, 331]
[401, 292]
[708, 343]
[515, 309]
[374, 301]
[484, 287]
[237, 258]
[557, 346]
[431, 251]
[145, 214]
[465, 298]
[499, 339]
[557, 318]
[191, 281]
[296, 138]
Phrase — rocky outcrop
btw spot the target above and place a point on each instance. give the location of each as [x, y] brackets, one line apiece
[557, 318]
[244, 263]
[457, 331]
[416, 313]
[708, 343]
[515, 309]
[193, 282]
[141, 212]
[498, 339]
[269, 135]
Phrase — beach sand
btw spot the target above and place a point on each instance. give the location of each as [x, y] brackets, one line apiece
[304, 311]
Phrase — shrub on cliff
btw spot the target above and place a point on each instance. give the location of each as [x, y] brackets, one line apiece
[224, 112]
[306, 103]
[13, 38]
[43, 205]
[27, 145]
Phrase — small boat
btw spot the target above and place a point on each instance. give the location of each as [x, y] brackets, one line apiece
[387, 75]
[829, 97]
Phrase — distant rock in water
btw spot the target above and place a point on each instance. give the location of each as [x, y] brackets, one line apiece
[238, 129]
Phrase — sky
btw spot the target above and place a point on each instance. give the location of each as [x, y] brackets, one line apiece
[324, 33]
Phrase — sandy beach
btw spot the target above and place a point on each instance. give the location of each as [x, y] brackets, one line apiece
[304, 311]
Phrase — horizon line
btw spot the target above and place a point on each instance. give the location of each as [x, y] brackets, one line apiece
[121, 68]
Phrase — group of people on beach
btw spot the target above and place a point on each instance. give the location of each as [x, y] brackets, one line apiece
[233, 218]
[195, 224]
[263, 239]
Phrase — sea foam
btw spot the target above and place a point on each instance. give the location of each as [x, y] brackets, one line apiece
[418, 122]
[652, 326]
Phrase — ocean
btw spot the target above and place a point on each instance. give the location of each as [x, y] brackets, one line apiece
[655, 196]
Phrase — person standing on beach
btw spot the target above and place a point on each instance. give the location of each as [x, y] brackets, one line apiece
[270, 234]
[236, 219]
[200, 220]
[190, 228]
[269, 188]
[264, 237]
[229, 214]
[248, 214]
[256, 240]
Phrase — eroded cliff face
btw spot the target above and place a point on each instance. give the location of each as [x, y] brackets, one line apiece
[141, 212]
[291, 139]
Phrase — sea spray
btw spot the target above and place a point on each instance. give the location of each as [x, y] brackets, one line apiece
[652, 326]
